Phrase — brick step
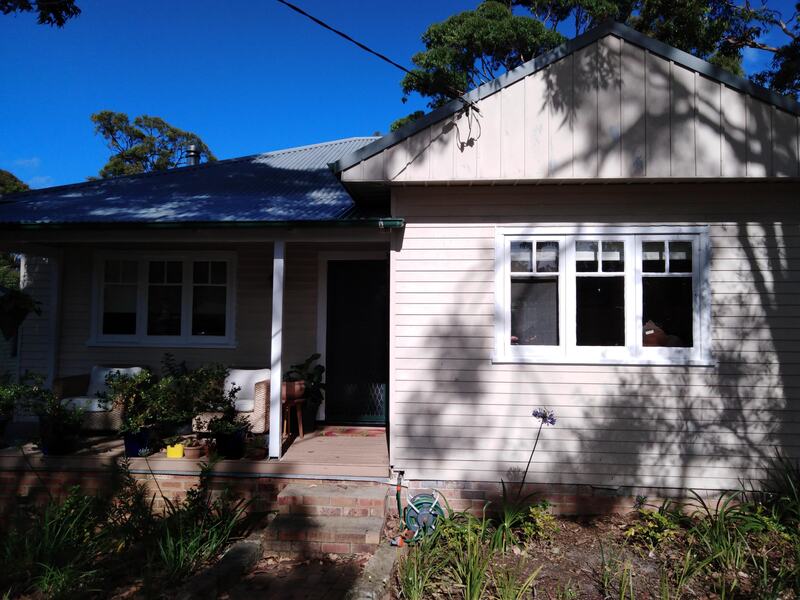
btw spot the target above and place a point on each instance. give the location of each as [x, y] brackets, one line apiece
[313, 535]
[333, 500]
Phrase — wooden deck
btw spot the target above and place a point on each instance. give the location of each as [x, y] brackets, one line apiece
[327, 453]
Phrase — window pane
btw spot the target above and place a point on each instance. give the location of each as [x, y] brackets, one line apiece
[547, 257]
[200, 272]
[667, 311]
[600, 311]
[208, 310]
[653, 258]
[586, 257]
[613, 257]
[680, 257]
[521, 256]
[130, 271]
[119, 309]
[174, 271]
[534, 311]
[156, 272]
[219, 272]
[164, 310]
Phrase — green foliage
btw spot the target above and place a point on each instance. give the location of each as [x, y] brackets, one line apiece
[468, 546]
[510, 582]
[312, 374]
[540, 523]
[10, 183]
[54, 551]
[512, 515]
[418, 567]
[48, 12]
[473, 47]
[144, 145]
[134, 395]
[9, 270]
[653, 527]
[32, 394]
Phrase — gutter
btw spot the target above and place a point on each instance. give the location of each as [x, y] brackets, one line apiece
[380, 223]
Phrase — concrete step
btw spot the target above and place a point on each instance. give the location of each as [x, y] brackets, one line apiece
[334, 500]
[309, 535]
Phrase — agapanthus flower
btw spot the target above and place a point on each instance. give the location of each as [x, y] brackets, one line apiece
[547, 417]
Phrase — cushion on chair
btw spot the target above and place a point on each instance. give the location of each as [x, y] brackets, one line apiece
[97, 380]
[86, 403]
[246, 379]
[245, 404]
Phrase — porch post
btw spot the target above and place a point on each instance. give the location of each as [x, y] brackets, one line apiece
[276, 348]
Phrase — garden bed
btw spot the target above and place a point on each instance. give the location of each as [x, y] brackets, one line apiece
[746, 545]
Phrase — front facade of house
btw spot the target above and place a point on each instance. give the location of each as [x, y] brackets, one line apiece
[610, 231]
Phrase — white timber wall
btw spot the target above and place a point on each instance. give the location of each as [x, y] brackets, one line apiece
[35, 334]
[458, 416]
[609, 110]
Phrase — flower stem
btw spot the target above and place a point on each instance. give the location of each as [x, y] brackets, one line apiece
[528, 466]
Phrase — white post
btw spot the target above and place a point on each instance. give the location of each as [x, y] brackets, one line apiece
[276, 348]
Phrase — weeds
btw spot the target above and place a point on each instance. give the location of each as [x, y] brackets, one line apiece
[469, 546]
[417, 569]
[653, 527]
[540, 523]
[510, 582]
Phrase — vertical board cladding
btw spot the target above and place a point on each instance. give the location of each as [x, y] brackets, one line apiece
[610, 109]
[456, 415]
[35, 334]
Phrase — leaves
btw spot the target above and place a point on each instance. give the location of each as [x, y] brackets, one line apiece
[147, 144]
[48, 12]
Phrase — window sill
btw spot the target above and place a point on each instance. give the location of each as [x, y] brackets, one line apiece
[157, 344]
[705, 362]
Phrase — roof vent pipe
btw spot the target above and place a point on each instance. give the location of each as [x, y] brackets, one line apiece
[192, 156]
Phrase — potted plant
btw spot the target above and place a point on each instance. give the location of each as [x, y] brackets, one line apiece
[230, 432]
[308, 377]
[15, 306]
[59, 424]
[193, 449]
[175, 447]
[137, 397]
[256, 447]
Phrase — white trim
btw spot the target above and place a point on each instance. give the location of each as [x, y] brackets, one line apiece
[276, 351]
[322, 297]
[633, 352]
[140, 338]
[54, 323]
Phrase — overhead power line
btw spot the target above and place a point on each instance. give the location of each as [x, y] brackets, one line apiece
[450, 91]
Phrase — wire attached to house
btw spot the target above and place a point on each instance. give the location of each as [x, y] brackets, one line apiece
[450, 91]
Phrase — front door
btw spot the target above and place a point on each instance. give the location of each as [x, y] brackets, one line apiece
[357, 344]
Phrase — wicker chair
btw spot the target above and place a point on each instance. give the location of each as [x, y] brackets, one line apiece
[252, 400]
[81, 391]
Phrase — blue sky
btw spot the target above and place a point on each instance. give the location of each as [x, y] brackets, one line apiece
[247, 76]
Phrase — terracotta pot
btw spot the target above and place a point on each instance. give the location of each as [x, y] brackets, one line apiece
[193, 452]
[291, 390]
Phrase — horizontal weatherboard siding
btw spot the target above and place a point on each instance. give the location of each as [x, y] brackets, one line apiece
[456, 414]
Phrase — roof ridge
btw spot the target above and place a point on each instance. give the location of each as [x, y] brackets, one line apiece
[185, 168]
[609, 27]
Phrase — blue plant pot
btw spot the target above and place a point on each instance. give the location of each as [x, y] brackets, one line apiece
[138, 444]
[56, 440]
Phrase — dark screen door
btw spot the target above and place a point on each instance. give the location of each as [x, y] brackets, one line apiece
[357, 345]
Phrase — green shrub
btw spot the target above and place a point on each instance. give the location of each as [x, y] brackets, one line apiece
[539, 523]
[467, 541]
[652, 528]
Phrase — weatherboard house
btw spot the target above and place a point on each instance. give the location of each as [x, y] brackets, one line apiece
[611, 231]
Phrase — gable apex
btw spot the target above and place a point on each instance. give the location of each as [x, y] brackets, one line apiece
[571, 47]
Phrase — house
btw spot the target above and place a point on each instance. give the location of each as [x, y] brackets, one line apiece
[611, 231]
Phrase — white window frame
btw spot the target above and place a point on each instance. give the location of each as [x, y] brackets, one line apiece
[633, 352]
[140, 338]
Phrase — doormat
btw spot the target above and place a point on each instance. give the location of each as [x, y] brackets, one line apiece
[353, 431]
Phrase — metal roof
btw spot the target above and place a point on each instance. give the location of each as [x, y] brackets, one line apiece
[291, 185]
[619, 30]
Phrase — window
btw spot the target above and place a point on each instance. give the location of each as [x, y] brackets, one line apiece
[166, 300]
[594, 294]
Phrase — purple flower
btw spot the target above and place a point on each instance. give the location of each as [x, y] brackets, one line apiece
[547, 417]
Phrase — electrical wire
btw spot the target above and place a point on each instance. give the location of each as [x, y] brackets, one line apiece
[450, 91]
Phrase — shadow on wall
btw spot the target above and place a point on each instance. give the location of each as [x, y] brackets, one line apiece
[622, 429]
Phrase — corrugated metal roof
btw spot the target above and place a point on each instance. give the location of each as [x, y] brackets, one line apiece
[294, 184]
